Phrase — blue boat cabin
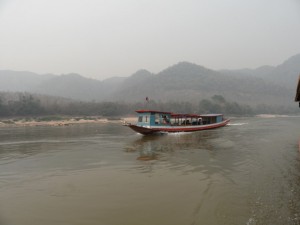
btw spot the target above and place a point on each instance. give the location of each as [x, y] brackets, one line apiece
[153, 118]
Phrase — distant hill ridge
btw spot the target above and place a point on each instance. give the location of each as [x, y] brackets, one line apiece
[183, 81]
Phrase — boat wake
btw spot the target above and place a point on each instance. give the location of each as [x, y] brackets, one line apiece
[275, 116]
[236, 124]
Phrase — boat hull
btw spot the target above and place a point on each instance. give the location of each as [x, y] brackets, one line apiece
[175, 129]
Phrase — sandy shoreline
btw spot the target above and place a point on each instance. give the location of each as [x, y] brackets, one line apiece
[63, 122]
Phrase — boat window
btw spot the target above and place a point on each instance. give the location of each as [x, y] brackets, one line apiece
[213, 120]
[145, 119]
[174, 122]
[165, 119]
[156, 118]
[140, 119]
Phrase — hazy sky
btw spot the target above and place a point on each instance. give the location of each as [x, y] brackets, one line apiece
[104, 38]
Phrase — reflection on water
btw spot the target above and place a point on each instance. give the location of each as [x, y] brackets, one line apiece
[156, 146]
[245, 173]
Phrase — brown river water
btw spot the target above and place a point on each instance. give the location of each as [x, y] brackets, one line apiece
[105, 174]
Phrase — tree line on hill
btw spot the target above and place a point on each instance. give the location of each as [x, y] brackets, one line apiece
[32, 105]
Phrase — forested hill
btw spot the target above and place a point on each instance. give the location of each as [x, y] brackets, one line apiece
[184, 81]
[266, 85]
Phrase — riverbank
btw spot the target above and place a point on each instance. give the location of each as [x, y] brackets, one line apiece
[61, 121]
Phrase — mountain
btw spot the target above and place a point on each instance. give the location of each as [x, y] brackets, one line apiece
[21, 80]
[287, 73]
[184, 81]
[73, 86]
[190, 82]
[284, 74]
[132, 87]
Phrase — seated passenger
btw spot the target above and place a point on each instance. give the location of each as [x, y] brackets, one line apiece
[165, 120]
[200, 121]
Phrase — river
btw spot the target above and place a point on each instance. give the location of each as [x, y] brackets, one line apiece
[105, 174]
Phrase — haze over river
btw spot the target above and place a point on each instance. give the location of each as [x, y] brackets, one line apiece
[105, 174]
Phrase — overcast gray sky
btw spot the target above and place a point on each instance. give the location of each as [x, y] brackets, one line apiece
[104, 38]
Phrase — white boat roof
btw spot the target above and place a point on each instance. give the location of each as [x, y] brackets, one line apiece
[211, 115]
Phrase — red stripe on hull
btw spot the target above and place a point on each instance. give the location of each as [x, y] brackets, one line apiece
[174, 129]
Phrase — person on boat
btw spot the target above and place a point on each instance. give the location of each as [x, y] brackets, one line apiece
[200, 121]
[165, 120]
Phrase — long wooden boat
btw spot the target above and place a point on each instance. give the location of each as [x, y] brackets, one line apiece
[151, 122]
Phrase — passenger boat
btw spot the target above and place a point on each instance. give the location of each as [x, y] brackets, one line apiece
[151, 122]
